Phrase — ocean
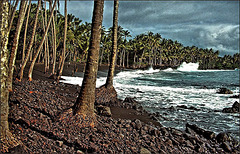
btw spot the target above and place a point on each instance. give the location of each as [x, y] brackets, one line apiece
[163, 91]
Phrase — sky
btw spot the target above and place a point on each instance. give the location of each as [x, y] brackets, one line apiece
[205, 24]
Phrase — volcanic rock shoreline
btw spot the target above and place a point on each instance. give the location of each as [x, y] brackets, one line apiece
[41, 118]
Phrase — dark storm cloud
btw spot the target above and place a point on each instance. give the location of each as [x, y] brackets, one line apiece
[206, 24]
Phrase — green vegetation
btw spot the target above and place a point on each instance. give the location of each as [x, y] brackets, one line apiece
[138, 52]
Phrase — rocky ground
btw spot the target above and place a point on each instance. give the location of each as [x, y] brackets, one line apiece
[41, 117]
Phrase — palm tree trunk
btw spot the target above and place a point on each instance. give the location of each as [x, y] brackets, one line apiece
[45, 43]
[15, 43]
[54, 45]
[25, 32]
[127, 59]
[46, 39]
[6, 138]
[12, 16]
[64, 42]
[134, 60]
[109, 82]
[41, 44]
[20, 75]
[101, 57]
[85, 101]
[124, 53]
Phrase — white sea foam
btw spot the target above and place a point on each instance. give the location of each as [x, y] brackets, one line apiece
[191, 67]
[79, 80]
[188, 67]
[168, 70]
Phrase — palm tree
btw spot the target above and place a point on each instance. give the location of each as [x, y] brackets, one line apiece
[6, 138]
[54, 45]
[25, 32]
[12, 16]
[109, 82]
[41, 44]
[45, 42]
[20, 75]
[64, 42]
[15, 43]
[85, 101]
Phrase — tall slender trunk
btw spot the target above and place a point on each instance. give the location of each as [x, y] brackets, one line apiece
[46, 39]
[109, 82]
[127, 59]
[101, 57]
[45, 43]
[134, 60]
[15, 43]
[85, 101]
[25, 31]
[41, 44]
[12, 16]
[6, 138]
[123, 59]
[20, 75]
[54, 46]
[51, 61]
[160, 58]
[64, 42]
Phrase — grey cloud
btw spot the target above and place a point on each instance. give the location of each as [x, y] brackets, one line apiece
[212, 24]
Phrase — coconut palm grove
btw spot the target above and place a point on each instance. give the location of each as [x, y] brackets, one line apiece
[41, 114]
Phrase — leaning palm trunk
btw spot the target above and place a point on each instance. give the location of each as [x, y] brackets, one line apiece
[41, 44]
[45, 43]
[64, 42]
[6, 138]
[25, 32]
[54, 43]
[55, 47]
[12, 16]
[15, 43]
[109, 82]
[20, 75]
[85, 101]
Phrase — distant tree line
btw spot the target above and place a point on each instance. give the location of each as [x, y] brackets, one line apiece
[141, 51]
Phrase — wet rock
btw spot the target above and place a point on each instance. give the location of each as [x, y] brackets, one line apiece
[59, 143]
[104, 111]
[222, 137]
[164, 131]
[130, 101]
[195, 128]
[138, 124]
[199, 148]
[144, 151]
[176, 132]
[153, 118]
[162, 152]
[235, 96]
[190, 131]
[209, 135]
[226, 147]
[172, 108]
[233, 109]
[80, 152]
[224, 91]
[189, 108]
[189, 144]
[168, 142]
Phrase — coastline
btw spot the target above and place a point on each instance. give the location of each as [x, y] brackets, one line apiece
[33, 106]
